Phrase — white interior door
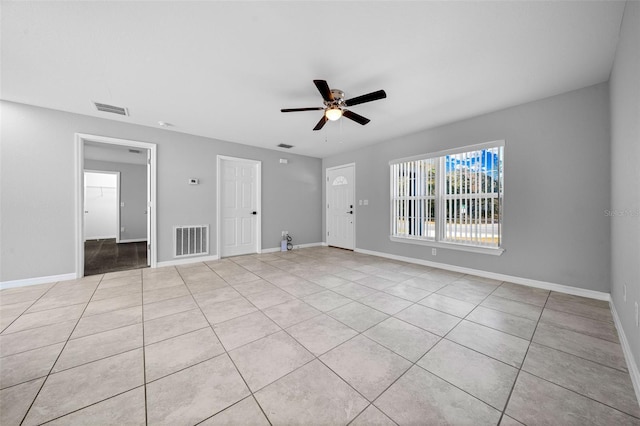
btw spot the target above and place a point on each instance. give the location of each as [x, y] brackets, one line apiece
[101, 205]
[341, 207]
[239, 215]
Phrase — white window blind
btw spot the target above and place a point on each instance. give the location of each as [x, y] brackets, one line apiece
[451, 197]
[413, 198]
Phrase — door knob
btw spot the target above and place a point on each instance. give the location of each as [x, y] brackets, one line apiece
[351, 212]
[254, 213]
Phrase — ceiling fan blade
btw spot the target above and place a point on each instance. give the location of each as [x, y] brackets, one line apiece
[355, 117]
[321, 123]
[301, 109]
[324, 90]
[373, 96]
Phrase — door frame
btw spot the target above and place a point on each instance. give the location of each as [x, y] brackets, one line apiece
[105, 172]
[326, 199]
[258, 164]
[152, 237]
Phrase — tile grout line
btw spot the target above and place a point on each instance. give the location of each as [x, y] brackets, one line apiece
[252, 393]
[361, 333]
[581, 357]
[110, 397]
[415, 364]
[476, 305]
[44, 382]
[443, 338]
[144, 353]
[226, 352]
[556, 384]
[281, 267]
[416, 302]
[582, 395]
[315, 357]
[504, 412]
[31, 305]
[90, 405]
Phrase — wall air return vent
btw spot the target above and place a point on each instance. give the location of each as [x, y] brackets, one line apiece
[191, 240]
[284, 145]
[111, 109]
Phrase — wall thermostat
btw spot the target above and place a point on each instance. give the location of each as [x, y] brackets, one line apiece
[194, 181]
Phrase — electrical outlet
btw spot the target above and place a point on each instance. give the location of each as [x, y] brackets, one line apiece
[624, 293]
[433, 252]
[637, 322]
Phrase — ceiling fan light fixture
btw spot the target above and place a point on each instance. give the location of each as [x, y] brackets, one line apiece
[333, 114]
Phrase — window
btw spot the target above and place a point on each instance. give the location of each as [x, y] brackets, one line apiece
[451, 198]
[340, 180]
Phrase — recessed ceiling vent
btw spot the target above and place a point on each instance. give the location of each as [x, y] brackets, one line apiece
[111, 108]
[284, 145]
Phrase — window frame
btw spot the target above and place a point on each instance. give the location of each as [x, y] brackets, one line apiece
[440, 200]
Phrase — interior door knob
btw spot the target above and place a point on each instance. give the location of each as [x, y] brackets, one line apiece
[351, 212]
[254, 213]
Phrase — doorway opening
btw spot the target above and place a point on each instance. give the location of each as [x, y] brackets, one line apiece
[239, 224]
[115, 205]
[103, 249]
[341, 212]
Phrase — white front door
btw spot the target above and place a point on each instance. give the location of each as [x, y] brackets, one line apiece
[341, 207]
[239, 199]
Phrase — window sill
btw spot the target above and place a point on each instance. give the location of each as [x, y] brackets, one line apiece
[448, 246]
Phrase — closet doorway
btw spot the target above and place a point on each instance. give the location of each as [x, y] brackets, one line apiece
[116, 215]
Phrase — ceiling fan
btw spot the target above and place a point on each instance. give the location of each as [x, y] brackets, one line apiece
[335, 103]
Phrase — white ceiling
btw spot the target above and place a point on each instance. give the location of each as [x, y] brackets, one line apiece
[224, 69]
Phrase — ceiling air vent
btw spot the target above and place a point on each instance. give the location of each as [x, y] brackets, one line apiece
[112, 109]
[284, 145]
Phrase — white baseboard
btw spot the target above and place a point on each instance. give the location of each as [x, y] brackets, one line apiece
[133, 240]
[628, 355]
[37, 280]
[106, 237]
[295, 247]
[592, 294]
[301, 246]
[270, 250]
[634, 371]
[187, 261]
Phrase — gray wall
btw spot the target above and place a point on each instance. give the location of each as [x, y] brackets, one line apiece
[133, 193]
[37, 184]
[625, 175]
[556, 188]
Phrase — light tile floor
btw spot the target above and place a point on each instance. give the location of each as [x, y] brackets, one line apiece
[313, 336]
